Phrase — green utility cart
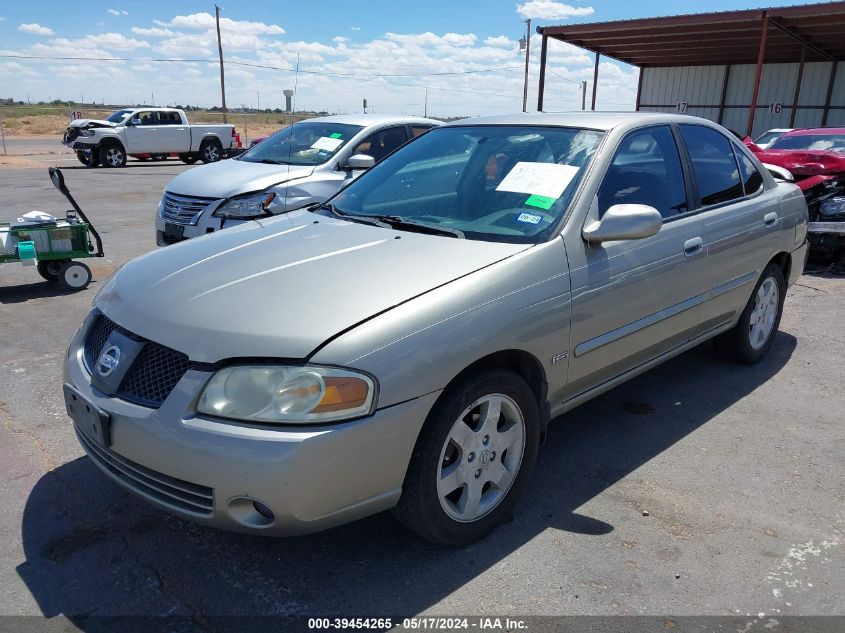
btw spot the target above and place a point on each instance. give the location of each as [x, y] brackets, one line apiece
[53, 247]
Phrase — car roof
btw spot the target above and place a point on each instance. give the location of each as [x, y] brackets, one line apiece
[582, 119]
[816, 131]
[375, 119]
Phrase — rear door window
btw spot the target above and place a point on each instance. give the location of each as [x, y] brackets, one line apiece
[646, 170]
[713, 164]
[752, 179]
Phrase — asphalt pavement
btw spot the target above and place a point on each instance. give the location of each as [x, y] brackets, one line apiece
[701, 488]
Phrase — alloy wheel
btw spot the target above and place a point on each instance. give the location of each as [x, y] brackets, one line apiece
[764, 313]
[481, 457]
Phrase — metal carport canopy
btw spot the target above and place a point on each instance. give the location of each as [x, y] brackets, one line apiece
[814, 32]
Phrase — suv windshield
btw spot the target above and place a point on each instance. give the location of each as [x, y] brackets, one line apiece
[118, 116]
[305, 143]
[830, 142]
[494, 183]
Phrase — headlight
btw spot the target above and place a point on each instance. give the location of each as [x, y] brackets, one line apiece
[273, 393]
[246, 207]
[86, 132]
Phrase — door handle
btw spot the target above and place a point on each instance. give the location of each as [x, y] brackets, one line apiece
[770, 219]
[693, 246]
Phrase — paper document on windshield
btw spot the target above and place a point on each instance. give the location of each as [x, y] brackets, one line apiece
[542, 179]
[327, 143]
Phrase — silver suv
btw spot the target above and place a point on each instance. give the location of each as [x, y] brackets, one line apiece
[405, 344]
[295, 167]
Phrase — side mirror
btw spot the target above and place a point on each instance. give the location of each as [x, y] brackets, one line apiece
[359, 161]
[133, 122]
[779, 173]
[624, 222]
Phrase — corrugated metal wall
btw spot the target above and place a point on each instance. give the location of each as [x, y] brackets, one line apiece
[700, 87]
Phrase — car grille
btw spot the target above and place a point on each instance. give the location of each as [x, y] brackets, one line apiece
[176, 493]
[182, 209]
[152, 376]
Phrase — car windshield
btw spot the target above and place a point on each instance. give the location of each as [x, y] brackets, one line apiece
[830, 142]
[768, 137]
[494, 183]
[305, 143]
[118, 116]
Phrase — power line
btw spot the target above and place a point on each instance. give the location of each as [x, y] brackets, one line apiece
[577, 83]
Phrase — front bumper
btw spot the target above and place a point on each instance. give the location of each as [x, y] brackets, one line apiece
[210, 471]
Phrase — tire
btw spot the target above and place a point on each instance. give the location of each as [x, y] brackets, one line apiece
[113, 155]
[188, 159]
[750, 339]
[159, 157]
[74, 275]
[211, 151]
[50, 269]
[449, 445]
[88, 158]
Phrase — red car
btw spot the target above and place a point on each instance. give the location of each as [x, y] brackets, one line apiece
[815, 158]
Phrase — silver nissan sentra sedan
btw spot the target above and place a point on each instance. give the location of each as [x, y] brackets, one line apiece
[405, 344]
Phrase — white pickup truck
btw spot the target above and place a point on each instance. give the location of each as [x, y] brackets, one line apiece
[144, 133]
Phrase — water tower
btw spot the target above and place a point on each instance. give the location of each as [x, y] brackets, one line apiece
[288, 100]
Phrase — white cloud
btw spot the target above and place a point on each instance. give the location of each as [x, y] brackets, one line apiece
[116, 12]
[340, 39]
[153, 32]
[354, 28]
[201, 21]
[111, 41]
[35, 29]
[550, 10]
[501, 40]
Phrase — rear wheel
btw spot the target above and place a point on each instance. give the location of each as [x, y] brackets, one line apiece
[112, 155]
[752, 336]
[188, 159]
[74, 275]
[211, 151]
[50, 269]
[159, 156]
[472, 460]
[87, 157]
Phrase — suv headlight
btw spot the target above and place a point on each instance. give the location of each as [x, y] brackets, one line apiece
[274, 393]
[246, 207]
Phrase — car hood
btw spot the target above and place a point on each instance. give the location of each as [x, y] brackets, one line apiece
[281, 287]
[89, 123]
[233, 177]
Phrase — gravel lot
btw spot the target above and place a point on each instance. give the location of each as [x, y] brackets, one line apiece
[700, 488]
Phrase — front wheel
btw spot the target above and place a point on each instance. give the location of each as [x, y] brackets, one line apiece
[752, 336]
[211, 151]
[472, 460]
[87, 157]
[188, 159]
[74, 275]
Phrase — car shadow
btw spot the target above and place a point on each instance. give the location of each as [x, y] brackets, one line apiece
[93, 550]
[22, 293]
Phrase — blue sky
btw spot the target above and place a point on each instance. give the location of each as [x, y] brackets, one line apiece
[361, 39]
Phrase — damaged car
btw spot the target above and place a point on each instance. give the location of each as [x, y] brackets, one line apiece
[814, 159]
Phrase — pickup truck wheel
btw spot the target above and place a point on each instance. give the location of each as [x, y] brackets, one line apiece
[211, 151]
[188, 159]
[472, 459]
[112, 155]
[88, 158]
[752, 336]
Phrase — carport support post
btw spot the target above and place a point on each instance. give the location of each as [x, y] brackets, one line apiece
[724, 93]
[761, 57]
[595, 80]
[639, 89]
[829, 92]
[544, 43]
[798, 85]
[3, 134]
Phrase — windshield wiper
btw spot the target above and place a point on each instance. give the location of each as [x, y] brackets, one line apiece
[397, 221]
[269, 161]
[352, 217]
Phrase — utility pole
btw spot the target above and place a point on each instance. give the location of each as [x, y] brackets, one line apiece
[527, 59]
[222, 75]
[583, 95]
[425, 108]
